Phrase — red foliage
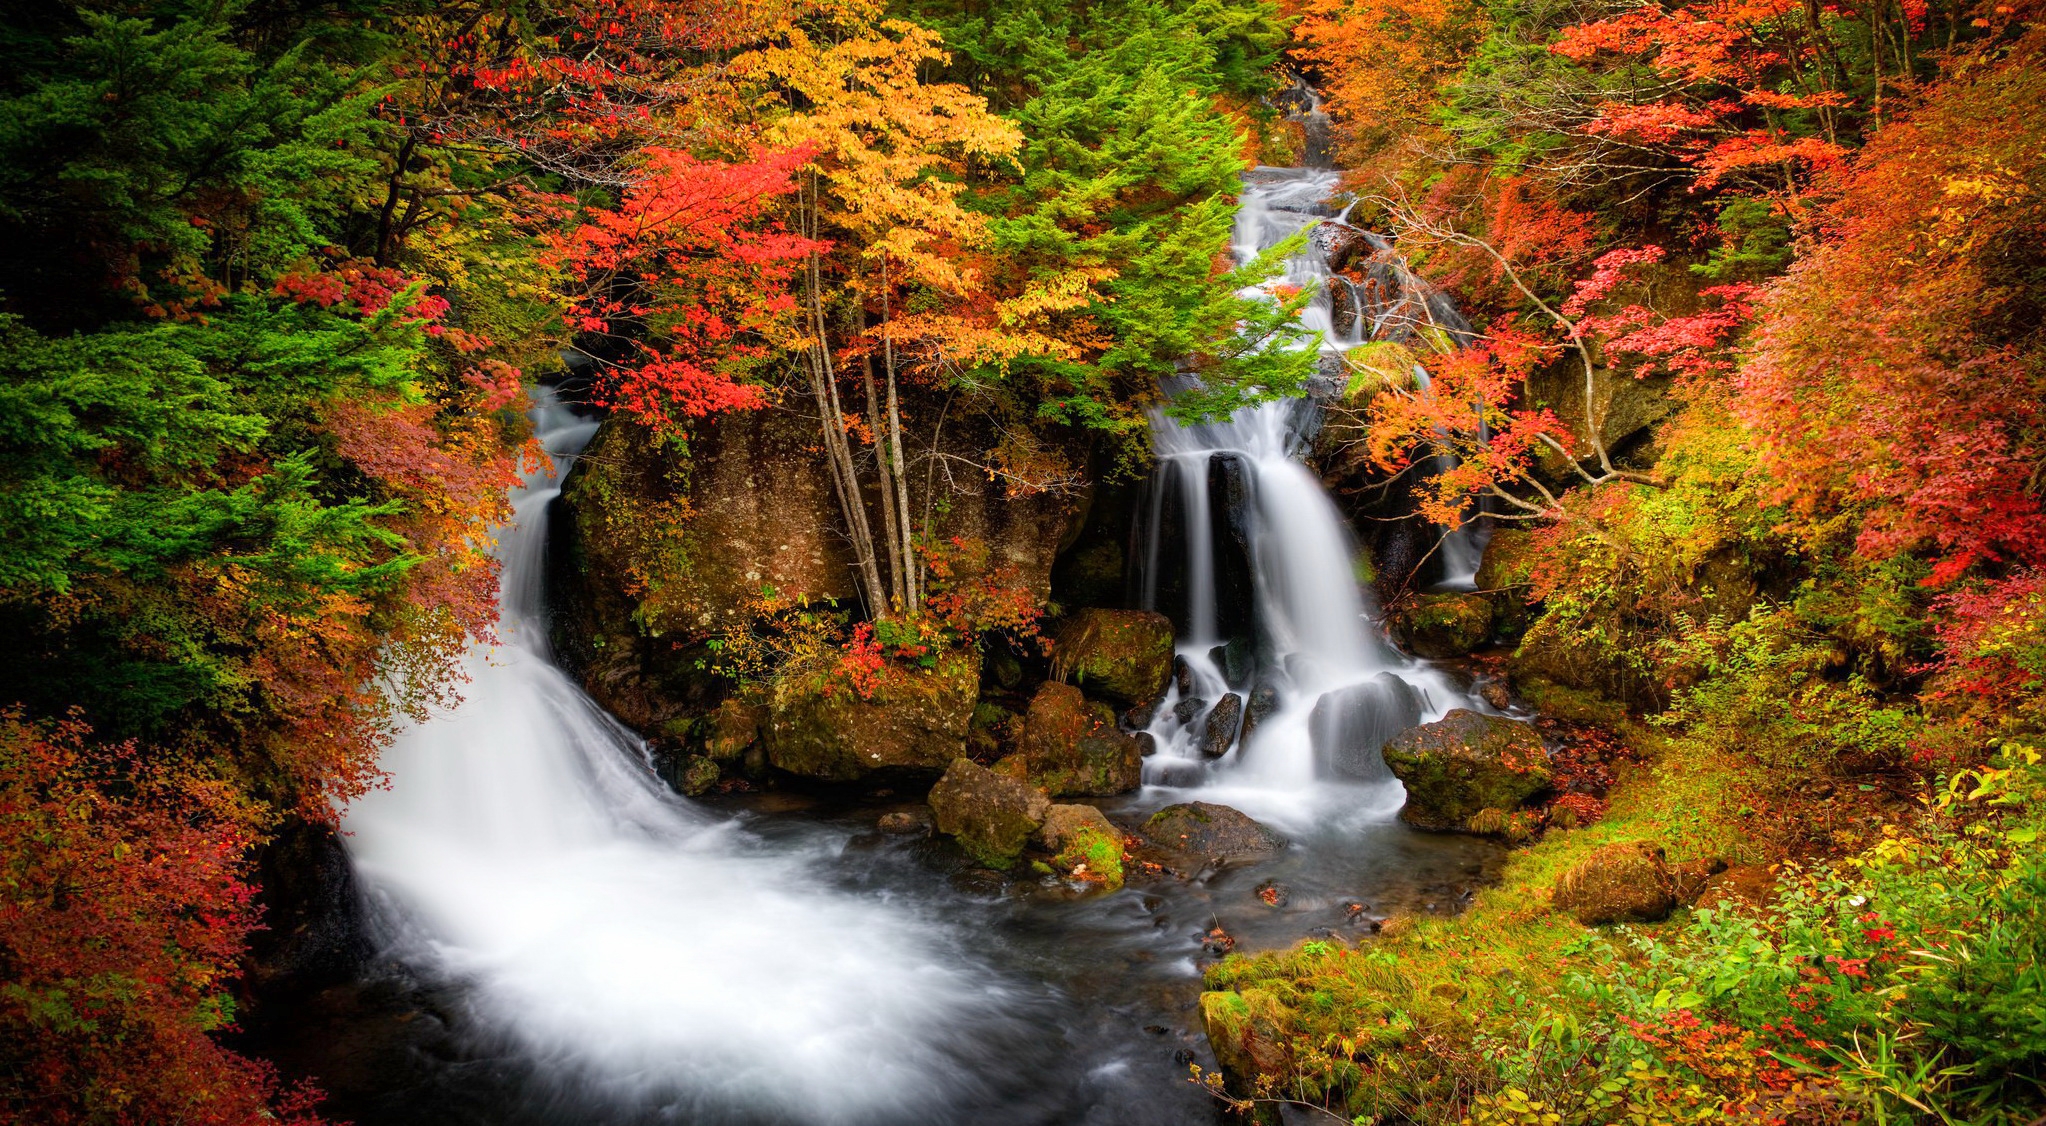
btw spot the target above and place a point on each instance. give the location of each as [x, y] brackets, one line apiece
[125, 911]
[688, 272]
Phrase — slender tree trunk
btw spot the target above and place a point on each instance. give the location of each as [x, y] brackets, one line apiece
[891, 527]
[824, 387]
[912, 573]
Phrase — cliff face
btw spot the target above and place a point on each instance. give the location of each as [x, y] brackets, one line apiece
[665, 544]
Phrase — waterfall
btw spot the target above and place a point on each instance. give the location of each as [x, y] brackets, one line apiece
[1266, 579]
[525, 852]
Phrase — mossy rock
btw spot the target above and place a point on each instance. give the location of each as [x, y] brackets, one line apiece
[698, 775]
[1085, 845]
[1441, 626]
[1125, 655]
[1071, 747]
[991, 816]
[1248, 1032]
[732, 728]
[1209, 830]
[916, 721]
[1464, 764]
[1625, 882]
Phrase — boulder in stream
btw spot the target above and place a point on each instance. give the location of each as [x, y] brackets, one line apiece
[1125, 655]
[1441, 626]
[1084, 844]
[1463, 764]
[1221, 727]
[1209, 830]
[915, 721]
[1264, 700]
[1071, 747]
[991, 816]
[1349, 725]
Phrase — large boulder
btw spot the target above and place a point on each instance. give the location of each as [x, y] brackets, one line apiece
[1627, 882]
[1208, 830]
[1084, 844]
[1220, 731]
[915, 721]
[1125, 655]
[1440, 626]
[1465, 763]
[1247, 1031]
[1071, 747]
[991, 817]
[1349, 725]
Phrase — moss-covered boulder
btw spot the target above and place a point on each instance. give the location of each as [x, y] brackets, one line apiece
[1626, 882]
[1463, 764]
[1125, 655]
[992, 817]
[1084, 844]
[1205, 829]
[1248, 1032]
[1504, 576]
[915, 721]
[1440, 626]
[1071, 747]
[732, 729]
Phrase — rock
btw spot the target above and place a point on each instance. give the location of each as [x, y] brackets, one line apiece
[1221, 728]
[1209, 830]
[1071, 747]
[1465, 763]
[1440, 626]
[990, 816]
[1238, 662]
[1188, 708]
[1084, 843]
[1182, 676]
[1229, 535]
[1125, 655]
[731, 729]
[1349, 725]
[1689, 879]
[697, 776]
[1627, 882]
[1495, 693]
[1503, 576]
[916, 721]
[905, 823]
[1064, 822]
[1247, 1032]
[1264, 700]
[1147, 743]
[1140, 716]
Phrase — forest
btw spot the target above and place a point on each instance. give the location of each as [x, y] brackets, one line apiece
[952, 515]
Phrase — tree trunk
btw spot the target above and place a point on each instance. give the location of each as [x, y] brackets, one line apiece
[912, 573]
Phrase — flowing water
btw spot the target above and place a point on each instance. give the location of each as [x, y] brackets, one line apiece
[565, 940]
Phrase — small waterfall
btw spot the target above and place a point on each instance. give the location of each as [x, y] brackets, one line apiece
[623, 936]
[1247, 550]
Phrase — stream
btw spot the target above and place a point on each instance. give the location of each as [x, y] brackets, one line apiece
[565, 940]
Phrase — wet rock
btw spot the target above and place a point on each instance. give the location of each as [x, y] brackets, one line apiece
[1463, 764]
[697, 776]
[1495, 693]
[1238, 661]
[1140, 716]
[1125, 655]
[1062, 823]
[1147, 743]
[1071, 747]
[905, 823]
[1264, 700]
[1271, 893]
[1182, 676]
[1175, 772]
[1188, 708]
[1349, 725]
[1218, 942]
[1248, 1033]
[916, 721]
[1221, 728]
[989, 815]
[1209, 830]
[1229, 494]
[1085, 845]
[731, 729]
[1626, 882]
[1440, 626]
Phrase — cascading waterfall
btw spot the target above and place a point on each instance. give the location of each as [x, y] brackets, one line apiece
[524, 851]
[1284, 684]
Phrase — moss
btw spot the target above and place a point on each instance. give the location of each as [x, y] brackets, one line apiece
[1122, 654]
[916, 719]
[1094, 856]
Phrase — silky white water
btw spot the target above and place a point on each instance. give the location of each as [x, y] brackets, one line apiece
[1311, 636]
[524, 850]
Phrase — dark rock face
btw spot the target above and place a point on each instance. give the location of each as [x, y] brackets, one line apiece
[1071, 747]
[905, 823]
[732, 730]
[313, 934]
[915, 722]
[1187, 709]
[1221, 727]
[1205, 829]
[1626, 882]
[1349, 725]
[1125, 655]
[1463, 764]
[1238, 661]
[1441, 626]
[991, 817]
[1229, 514]
[1264, 700]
